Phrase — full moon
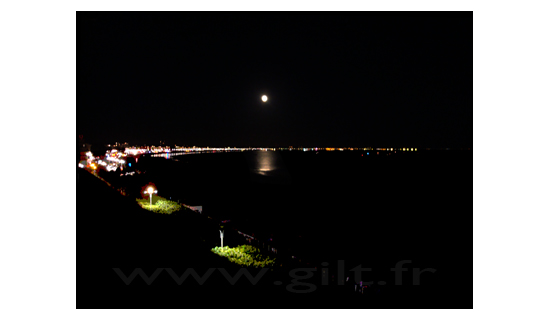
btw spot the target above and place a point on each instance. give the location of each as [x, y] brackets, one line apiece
[264, 98]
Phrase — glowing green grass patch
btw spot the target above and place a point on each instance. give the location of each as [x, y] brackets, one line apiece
[160, 205]
[245, 255]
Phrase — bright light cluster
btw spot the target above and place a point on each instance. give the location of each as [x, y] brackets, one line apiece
[115, 159]
[135, 151]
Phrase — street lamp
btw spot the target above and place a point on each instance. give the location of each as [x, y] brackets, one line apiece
[150, 191]
[221, 236]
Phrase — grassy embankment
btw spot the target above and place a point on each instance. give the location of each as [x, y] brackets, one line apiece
[160, 205]
[245, 255]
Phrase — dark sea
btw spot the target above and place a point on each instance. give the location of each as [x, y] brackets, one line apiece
[326, 206]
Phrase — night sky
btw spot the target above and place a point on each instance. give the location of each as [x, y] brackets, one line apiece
[333, 79]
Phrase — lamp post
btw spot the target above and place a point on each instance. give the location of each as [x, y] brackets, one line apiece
[221, 236]
[150, 191]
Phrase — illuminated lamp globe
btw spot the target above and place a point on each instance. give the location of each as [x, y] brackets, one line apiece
[264, 98]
